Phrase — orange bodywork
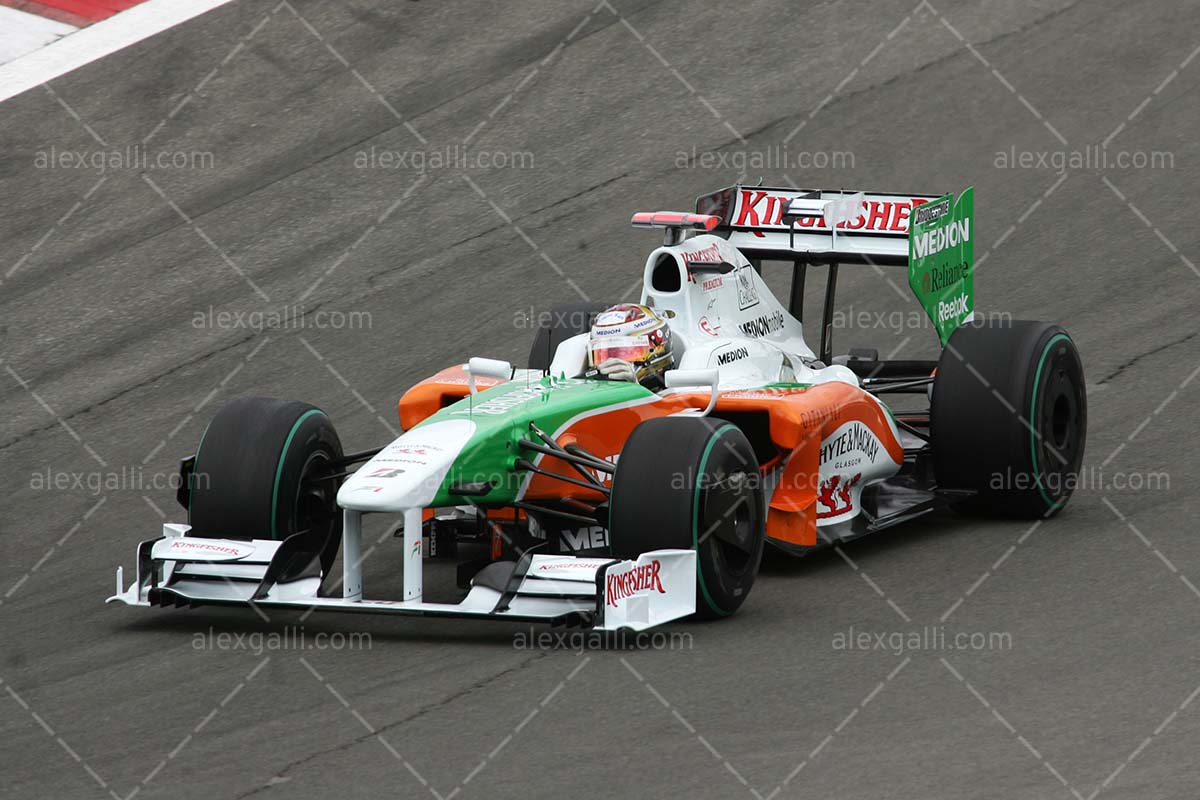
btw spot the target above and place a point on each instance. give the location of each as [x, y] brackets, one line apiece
[436, 392]
[799, 419]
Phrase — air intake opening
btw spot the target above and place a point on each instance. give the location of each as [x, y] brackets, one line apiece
[667, 275]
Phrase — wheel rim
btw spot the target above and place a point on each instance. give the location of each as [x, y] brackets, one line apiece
[1059, 427]
[729, 521]
[315, 504]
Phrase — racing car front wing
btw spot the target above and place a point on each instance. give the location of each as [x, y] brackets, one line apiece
[601, 593]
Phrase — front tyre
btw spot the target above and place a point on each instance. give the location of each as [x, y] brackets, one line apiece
[258, 471]
[692, 483]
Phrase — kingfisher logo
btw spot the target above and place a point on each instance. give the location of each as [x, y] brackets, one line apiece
[632, 581]
[707, 255]
[953, 309]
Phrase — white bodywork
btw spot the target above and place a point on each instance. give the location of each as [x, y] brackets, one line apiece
[657, 587]
[723, 322]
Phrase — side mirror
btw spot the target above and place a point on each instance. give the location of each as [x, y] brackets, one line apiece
[683, 378]
[487, 368]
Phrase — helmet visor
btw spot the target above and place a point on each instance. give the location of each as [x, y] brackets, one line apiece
[634, 349]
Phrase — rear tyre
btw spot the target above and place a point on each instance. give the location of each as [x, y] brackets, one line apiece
[561, 324]
[1008, 417]
[692, 483]
[254, 474]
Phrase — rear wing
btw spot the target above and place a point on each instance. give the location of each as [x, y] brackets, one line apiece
[814, 225]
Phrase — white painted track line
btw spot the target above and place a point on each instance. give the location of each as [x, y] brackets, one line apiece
[96, 41]
[22, 32]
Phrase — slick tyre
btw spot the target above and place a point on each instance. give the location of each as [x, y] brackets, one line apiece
[1008, 418]
[692, 483]
[256, 469]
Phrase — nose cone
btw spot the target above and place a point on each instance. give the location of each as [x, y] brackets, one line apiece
[409, 471]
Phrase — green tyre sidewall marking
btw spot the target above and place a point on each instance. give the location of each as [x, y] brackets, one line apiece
[287, 443]
[696, 518]
[1037, 472]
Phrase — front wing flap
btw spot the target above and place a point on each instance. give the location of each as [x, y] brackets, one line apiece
[600, 593]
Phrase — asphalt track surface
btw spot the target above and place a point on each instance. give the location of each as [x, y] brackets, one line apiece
[105, 365]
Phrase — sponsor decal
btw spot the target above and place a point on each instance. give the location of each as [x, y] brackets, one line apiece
[710, 327]
[844, 209]
[414, 449]
[854, 445]
[932, 211]
[935, 241]
[385, 472]
[940, 253]
[834, 495]
[941, 277]
[729, 356]
[707, 255]
[632, 581]
[764, 394]
[710, 284]
[747, 291]
[759, 208]
[505, 402]
[194, 547]
[586, 538]
[600, 475]
[408, 453]
[375, 489]
[571, 564]
[957, 307]
[762, 326]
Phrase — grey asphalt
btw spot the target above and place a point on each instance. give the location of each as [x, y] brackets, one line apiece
[1086, 677]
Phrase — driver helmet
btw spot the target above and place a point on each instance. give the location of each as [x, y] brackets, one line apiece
[635, 334]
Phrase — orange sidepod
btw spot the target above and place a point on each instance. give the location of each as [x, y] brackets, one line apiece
[800, 418]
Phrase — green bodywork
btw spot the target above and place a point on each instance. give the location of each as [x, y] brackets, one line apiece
[941, 256]
[502, 415]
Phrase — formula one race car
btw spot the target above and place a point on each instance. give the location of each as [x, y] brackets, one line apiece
[569, 496]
